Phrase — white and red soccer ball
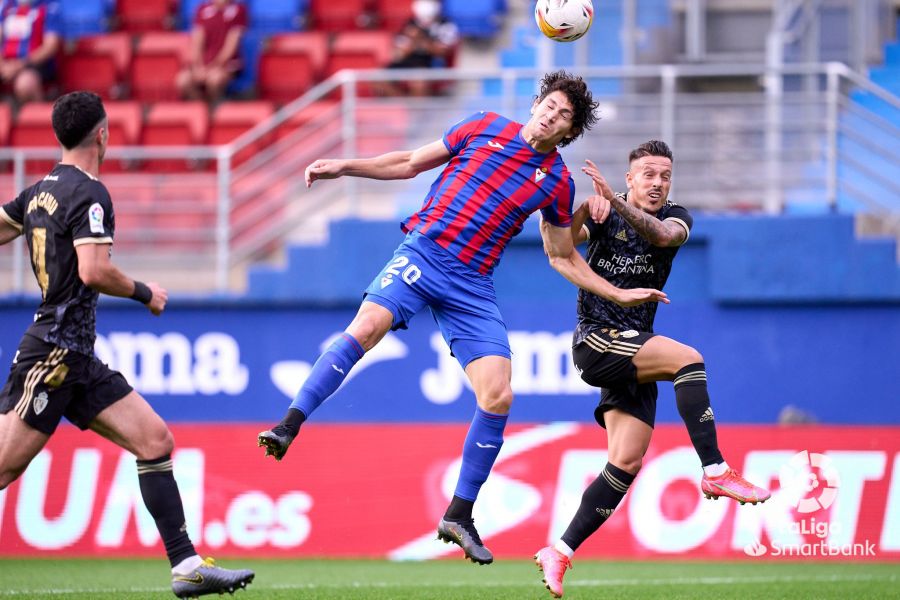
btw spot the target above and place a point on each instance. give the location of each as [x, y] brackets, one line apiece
[564, 20]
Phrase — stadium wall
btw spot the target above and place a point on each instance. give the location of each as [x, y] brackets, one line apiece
[782, 317]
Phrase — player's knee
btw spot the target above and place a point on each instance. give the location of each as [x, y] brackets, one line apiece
[158, 442]
[690, 356]
[629, 464]
[497, 400]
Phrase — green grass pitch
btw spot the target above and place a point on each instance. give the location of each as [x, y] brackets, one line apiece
[455, 580]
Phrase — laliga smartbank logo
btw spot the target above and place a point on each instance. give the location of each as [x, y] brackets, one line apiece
[809, 482]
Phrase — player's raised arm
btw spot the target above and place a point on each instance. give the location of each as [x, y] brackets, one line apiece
[98, 272]
[404, 164]
[571, 265]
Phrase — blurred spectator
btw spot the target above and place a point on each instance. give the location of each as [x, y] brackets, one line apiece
[215, 43]
[30, 34]
[426, 40]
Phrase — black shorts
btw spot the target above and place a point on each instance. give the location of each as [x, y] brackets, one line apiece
[604, 361]
[47, 383]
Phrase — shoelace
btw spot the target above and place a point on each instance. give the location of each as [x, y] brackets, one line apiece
[469, 526]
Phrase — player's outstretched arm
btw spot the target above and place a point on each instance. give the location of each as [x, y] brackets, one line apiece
[8, 232]
[404, 164]
[98, 272]
[571, 265]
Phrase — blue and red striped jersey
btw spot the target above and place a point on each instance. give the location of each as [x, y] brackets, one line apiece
[492, 183]
[23, 26]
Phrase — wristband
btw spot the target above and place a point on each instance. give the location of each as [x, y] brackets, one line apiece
[141, 293]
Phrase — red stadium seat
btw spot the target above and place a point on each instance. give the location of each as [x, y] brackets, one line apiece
[322, 111]
[125, 122]
[393, 14]
[97, 63]
[290, 64]
[339, 15]
[32, 129]
[360, 50]
[231, 119]
[5, 123]
[174, 124]
[158, 58]
[145, 15]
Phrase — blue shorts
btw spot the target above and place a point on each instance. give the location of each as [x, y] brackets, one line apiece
[463, 302]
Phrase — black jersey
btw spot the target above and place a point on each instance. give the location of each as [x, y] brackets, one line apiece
[66, 208]
[618, 254]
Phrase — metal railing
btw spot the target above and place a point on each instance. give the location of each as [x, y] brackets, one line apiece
[248, 197]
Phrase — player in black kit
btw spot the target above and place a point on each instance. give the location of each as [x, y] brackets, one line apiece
[68, 222]
[632, 240]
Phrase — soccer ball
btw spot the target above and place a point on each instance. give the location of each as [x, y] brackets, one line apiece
[564, 20]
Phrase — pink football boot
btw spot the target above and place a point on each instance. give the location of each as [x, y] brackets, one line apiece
[554, 565]
[731, 485]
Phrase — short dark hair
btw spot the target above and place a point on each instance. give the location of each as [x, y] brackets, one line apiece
[651, 148]
[576, 90]
[75, 115]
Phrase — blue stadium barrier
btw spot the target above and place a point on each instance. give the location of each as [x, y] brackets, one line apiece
[186, 11]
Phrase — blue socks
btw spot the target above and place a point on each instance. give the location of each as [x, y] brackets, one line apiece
[480, 450]
[328, 373]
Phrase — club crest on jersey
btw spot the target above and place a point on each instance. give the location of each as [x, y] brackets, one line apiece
[40, 403]
[95, 217]
[622, 235]
[539, 174]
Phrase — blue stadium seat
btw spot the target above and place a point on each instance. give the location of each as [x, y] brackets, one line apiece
[476, 19]
[251, 46]
[84, 17]
[277, 16]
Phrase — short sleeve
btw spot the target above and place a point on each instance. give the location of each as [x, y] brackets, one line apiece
[458, 135]
[14, 212]
[559, 211]
[595, 229]
[240, 20]
[91, 217]
[680, 215]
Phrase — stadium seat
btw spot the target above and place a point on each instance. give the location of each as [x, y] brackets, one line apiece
[125, 122]
[32, 129]
[5, 123]
[339, 15]
[245, 80]
[476, 19]
[393, 14]
[268, 17]
[321, 111]
[231, 119]
[98, 63]
[290, 64]
[360, 50]
[174, 124]
[83, 17]
[145, 15]
[157, 59]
